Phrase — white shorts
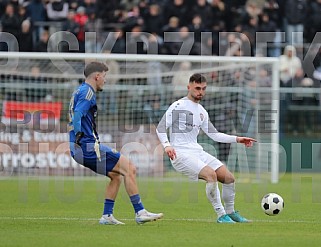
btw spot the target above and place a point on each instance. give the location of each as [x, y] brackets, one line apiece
[191, 163]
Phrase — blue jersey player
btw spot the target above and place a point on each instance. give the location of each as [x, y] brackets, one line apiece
[87, 151]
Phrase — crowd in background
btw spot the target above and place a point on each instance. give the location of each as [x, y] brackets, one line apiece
[33, 21]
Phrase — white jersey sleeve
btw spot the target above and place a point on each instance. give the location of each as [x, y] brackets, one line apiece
[214, 134]
[164, 124]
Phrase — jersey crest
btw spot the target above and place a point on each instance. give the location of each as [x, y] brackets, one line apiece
[202, 116]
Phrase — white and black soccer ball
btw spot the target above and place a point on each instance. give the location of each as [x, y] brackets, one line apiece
[272, 204]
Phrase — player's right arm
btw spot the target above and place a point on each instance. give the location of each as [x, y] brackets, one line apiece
[161, 132]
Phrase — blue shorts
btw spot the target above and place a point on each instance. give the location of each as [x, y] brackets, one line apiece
[108, 159]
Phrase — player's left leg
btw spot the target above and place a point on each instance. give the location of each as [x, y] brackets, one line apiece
[125, 167]
[228, 193]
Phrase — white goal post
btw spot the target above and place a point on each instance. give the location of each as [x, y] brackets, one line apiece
[242, 98]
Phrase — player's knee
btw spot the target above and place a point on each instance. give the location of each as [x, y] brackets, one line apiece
[132, 169]
[210, 176]
[115, 177]
[229, 178]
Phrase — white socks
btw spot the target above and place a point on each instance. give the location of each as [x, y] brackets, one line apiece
[214, 196]
[228, 196]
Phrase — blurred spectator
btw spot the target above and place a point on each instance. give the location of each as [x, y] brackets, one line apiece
[42, 45]
[136, 43]
[273, 9]
[10, 24]
[235, 11]
[306, 116]
[25, 37]
[313, 22]
[202, 9]
[74, 4]
[93, 44]
[3, 4]
[218, 9]
[154, 69]
[153, 109]
[250, 29]
[130, 4]
[316, 73]
[71, 26]
[105, 11]
[197, 27]
[81, 19]
[90, 6]
[133, 19]
[175, 46]
[153, 20]
[289, 64]
[176, 8]
[248, 117]
[251, 11]
[295, 16]
[36, 91]
[22, 14]
[267, 29]
[210, 45]
[36, 11]
[300, 120]
[234, 45]
[180, 78]
[15, 4]
[264, 80]
[10, 21]
[57, 10]
[172, 25]
[119, 41]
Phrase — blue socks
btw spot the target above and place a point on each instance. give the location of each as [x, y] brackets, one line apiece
[135, 200]
[137, 203]
[108, 206]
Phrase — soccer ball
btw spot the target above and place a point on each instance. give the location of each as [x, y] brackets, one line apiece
[272, 204]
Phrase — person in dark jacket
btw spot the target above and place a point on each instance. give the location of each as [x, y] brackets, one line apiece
[295, 15]
[10, 25]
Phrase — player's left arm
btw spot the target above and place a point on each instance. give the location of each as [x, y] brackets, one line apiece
[81, 108]
[217, 136]
[247, 141]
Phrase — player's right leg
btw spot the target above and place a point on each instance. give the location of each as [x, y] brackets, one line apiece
[112, 189]
[125, 167]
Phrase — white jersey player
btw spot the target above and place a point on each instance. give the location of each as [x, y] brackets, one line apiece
[185, 118]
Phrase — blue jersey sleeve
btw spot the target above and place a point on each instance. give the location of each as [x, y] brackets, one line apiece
[77, 121]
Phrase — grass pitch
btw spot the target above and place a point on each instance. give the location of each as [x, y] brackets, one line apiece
[65, 212]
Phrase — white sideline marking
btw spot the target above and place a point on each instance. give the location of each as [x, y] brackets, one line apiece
[180, 219]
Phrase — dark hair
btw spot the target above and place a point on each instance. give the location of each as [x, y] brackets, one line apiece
[197, 78]
[95, 67]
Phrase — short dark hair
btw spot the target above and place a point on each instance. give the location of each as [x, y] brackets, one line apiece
[198, 78]
[95, 67]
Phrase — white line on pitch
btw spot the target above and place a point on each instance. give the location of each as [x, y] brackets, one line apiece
[179, 219]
